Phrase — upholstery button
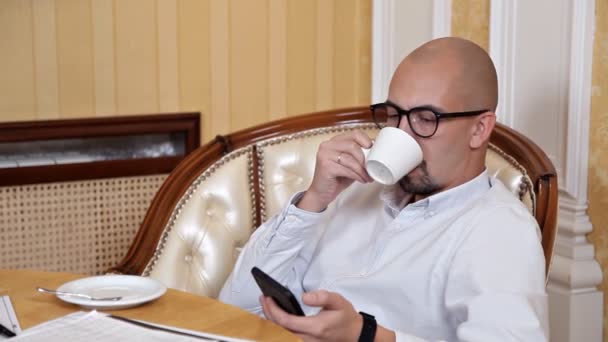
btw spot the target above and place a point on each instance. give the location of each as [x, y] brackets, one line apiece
[188, 258]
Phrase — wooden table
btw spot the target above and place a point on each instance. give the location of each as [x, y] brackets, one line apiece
[175, 308]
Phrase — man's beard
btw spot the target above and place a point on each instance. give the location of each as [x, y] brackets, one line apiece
[423, 185]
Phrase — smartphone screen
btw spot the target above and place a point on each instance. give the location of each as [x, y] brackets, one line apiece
[281, 295]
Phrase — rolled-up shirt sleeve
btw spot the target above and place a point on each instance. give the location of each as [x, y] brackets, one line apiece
[282, 247]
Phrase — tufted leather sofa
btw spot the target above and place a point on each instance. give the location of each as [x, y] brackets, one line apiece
[209, 205]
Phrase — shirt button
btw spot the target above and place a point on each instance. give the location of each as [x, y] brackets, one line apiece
[291, 218]
[188, 258]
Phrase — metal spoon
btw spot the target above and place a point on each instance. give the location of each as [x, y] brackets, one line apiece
[42, 289]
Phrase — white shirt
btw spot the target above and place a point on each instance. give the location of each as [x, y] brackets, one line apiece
[462, 265]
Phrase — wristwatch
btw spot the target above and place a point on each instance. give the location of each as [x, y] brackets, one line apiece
[368, 330]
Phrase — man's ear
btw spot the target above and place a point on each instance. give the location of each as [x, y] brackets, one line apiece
[482, 128]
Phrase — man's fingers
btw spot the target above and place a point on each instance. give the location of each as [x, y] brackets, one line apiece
[343, 157]
[349, 168]
[351, 148]
[361, 138]
[278, 315]
[307, 325]
[265, 308]
[327, 300]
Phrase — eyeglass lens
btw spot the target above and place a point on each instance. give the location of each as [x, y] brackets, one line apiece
[422, 121]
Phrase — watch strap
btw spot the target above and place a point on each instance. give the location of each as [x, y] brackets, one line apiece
[368, 330]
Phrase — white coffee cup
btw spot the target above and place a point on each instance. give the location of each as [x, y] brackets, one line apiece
[393, 155]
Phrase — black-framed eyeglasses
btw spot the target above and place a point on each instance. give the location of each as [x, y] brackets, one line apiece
[422, 120]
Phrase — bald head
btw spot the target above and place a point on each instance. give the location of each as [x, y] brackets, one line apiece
[465, 70]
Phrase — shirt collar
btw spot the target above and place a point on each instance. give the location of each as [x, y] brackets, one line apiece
[396, 199]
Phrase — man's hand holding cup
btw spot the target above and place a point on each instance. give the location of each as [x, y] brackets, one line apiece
[345, 158]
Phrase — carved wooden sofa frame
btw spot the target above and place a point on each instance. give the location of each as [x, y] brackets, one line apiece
[191, 263]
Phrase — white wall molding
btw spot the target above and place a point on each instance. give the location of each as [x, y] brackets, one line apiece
[442, 18]
[502, 41]
[552, 64]
[575, 273]
[579, 95]
[574, 266]
[398, 27]
[383, 47]
[575, 304]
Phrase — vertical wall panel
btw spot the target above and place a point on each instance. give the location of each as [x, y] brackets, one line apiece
[238, 62]
[167, 56]
[45, 59]
[194, 60]
[345, 64]
[277, 58]
[363, 53]
[219, 21]
[325, 54]
[103, 49]
[471, 19]
[598, 159]
[534, 73]
[419, 22]
[75, 57]
[545, 76]
[136, 56]
[301, 55]
[249, 62]
[18, 100]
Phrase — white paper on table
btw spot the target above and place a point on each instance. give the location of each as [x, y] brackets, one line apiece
[94, 326]
[8, 318]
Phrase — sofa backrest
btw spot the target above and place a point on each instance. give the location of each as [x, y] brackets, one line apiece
[207, 209]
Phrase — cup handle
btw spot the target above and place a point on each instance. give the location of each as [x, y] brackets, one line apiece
[365, 151]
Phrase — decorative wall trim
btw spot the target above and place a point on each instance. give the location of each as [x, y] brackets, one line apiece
[575, 304]
[575, 272]
[572, 251]
[442, 18]
[579, 95]
[503, 16]
[394, 37]
[383, 47]
[574, 222]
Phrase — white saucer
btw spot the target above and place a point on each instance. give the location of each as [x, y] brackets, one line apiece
[134, 290]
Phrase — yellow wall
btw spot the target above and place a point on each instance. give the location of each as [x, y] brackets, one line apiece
[239, 62]
[598, 158]
[470, 20]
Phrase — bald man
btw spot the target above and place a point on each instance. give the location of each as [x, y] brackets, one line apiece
[447, 254]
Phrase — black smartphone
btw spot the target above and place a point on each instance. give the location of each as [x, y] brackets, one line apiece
[281, 295]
